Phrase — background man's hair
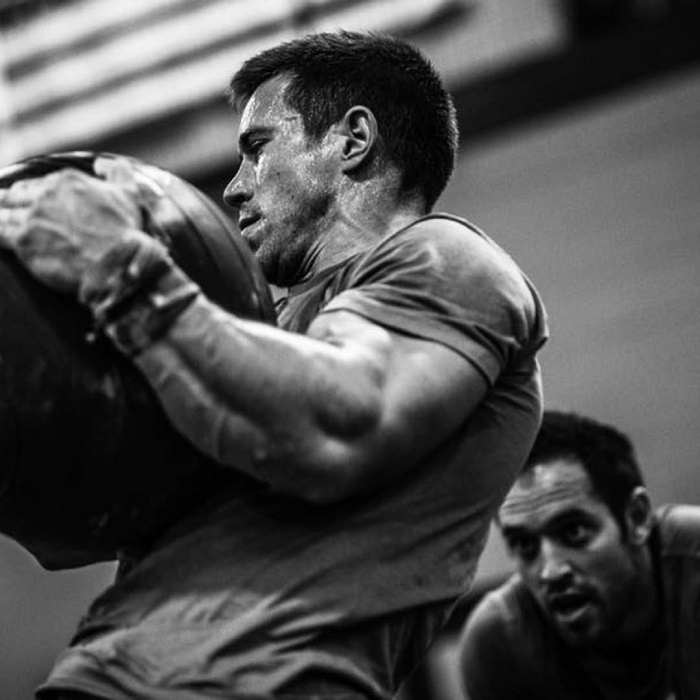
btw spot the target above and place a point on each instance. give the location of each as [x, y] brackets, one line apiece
[332, 72]
[605, 453]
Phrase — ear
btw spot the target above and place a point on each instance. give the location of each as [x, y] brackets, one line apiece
[639, 516]
[359, 131]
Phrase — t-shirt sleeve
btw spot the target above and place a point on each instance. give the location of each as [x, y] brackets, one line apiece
[441, 280]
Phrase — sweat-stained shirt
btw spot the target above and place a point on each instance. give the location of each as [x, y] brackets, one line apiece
[259, 595]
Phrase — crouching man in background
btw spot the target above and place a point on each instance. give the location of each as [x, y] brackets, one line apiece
[605, 602]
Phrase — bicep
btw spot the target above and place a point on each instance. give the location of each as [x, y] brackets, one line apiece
[324, 415]
[423, 391]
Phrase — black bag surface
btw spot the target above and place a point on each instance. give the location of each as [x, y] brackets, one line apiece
[88, 461]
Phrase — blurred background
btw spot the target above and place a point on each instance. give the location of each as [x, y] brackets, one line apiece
[580, 154]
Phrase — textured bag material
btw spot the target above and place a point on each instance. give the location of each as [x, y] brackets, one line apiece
[89, 464]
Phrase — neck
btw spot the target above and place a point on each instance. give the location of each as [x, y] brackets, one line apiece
[351, 231]
[642, 624]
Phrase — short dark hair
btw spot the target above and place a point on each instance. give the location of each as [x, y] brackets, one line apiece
[332, 72]
[606, 454]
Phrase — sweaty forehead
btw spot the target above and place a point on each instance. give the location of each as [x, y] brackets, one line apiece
[545, 491]
[267, 102]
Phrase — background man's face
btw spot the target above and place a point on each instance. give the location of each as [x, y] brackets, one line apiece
[570, 552]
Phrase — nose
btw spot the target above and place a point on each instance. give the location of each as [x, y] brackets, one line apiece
[239, 189]
[555, 567]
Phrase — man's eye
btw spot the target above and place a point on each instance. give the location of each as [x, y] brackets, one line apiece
[523, 547]
[255, 147]
[575, 534]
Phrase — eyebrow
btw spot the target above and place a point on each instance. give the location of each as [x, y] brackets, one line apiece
[554, 522]
[511, 531]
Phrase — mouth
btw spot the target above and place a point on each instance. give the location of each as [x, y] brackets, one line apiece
[571, 607]
[246, 221]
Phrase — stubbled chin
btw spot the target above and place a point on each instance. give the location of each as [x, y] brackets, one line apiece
[579, 627]
[268, 265]
[248, 238]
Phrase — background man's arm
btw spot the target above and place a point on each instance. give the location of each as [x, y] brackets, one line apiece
[487, 659]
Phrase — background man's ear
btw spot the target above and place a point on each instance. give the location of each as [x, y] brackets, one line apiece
[359, 128]
[639, 516]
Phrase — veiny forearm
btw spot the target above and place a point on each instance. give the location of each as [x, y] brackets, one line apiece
[285, 408]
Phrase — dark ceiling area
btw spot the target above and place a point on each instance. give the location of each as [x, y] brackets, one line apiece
[592, 66]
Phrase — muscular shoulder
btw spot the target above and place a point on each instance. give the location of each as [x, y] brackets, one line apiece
[495, 630]
[498, 615]
[508, 631]
[444, 264]
[442, 279]
[679, 529]
[456, 251]
[465, 264]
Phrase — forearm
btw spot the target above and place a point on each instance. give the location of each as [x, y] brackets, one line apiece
[287, 409]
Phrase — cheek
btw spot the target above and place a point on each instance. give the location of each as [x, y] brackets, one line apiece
[283, 188]
[610, 567]
[529, 572]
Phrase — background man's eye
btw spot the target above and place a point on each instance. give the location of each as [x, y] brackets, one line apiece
[523, 547]
[576, 533]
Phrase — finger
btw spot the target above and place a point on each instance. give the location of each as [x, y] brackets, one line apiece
[21, 193]
[11, 226]
[118, 171]
[122, 172]
[14, 206]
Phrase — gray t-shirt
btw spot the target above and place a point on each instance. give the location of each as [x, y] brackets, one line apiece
[260, 595]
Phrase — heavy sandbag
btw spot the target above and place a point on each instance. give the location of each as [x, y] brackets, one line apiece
[89, 464]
